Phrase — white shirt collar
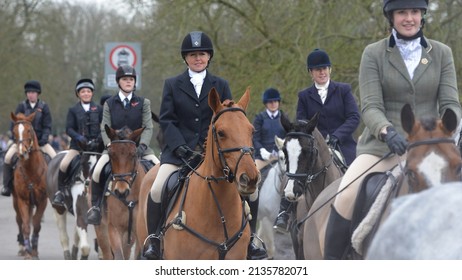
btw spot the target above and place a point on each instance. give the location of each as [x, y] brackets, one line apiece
[122, 96]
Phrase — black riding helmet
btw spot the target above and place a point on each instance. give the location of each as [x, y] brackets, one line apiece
[317, 59]
[390, 5]
[84, 83]
[32, 85]
[196, 41]
[125, 71]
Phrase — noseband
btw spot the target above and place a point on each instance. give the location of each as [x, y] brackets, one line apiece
[227, 172]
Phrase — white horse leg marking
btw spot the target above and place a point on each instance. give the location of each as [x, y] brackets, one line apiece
[63, 236]
[431, 167]
[294, 149]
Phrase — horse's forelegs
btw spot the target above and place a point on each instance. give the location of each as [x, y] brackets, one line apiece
[37, 224]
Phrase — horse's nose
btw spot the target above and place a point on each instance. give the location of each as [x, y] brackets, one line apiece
[244, 180]
[122, 193]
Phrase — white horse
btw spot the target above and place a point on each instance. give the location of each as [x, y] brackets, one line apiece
[78, 204]
[422, 226]
[270, 197]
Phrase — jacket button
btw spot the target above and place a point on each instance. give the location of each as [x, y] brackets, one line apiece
[196, 119]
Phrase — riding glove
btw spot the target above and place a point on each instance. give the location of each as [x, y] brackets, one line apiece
[265, 155]
[183, 151]
[333, 141]
[141, 149]
[92, 146]
[81, 139]
[395, 141]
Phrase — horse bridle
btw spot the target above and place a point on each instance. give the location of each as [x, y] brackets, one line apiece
[227, 172]
[306, 178]
[121, 177]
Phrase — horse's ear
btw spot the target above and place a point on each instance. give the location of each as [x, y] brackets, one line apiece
[13, 117]
[285, 122]
[214, 100]
[31, 117]
[136, 135]
[312, 123]
[244, 101]
[111, 133]
[407, 118]
[279, 142]
[449, 120]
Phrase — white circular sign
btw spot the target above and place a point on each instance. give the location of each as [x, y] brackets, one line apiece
[121, 55]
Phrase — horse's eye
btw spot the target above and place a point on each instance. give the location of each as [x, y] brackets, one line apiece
[221, 134]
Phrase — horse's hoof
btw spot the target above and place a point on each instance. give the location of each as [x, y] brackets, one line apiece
[67, 255]
[84, 257]
[21, 252]
[75, 252]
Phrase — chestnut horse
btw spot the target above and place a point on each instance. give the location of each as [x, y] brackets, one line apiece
[209, 219]
[432, 159]
[76, 201]
[310, 168]
[29, 190]
[117, 232]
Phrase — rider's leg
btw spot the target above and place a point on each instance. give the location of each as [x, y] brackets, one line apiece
[254, 252]
[97, 191]
[8, 171]
[58, 199]
[154, 213]
[338, 232]
[282, 219]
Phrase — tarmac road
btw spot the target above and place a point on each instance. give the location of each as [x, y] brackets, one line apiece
[50, 248]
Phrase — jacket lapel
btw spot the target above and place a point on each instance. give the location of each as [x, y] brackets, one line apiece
[424, 64]
[186, 86]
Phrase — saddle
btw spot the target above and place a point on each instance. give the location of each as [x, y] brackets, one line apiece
[370, 188]
[174, 184]
[376, 190]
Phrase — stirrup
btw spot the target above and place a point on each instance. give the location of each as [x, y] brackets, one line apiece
[152, 251]
[58, 200]
[94, 215]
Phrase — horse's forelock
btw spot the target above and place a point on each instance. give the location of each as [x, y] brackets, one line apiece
[428, 123]
[228, 103]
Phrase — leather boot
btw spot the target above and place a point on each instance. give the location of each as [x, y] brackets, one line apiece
[254, 252]
[58, 200]
[94, 213]
[338, 236]
[282, 220]
[153, 216]
[7, 179]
